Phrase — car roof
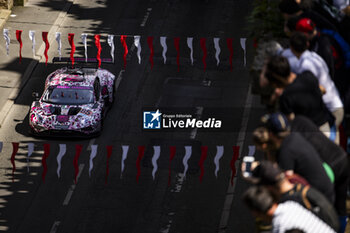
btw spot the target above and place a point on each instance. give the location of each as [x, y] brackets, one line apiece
[72, 77]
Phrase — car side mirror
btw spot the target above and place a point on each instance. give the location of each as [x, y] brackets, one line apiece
[35, 95]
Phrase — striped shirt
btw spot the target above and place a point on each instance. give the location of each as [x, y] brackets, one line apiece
[291, 215]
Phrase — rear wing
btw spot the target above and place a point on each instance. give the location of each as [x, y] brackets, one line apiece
[81, 60]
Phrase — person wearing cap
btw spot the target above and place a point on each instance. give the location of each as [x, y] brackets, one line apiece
[311, 61]
[285, 216]
[325, 46]
[298, 94]
[292, 8]
[320, 43]
[294, 154]
[294, 188]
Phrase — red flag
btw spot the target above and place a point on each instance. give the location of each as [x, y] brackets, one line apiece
[78, 149]
[14, 152]
[43, 160]
[98, 45]
[229, 45]
[47, 45]
[19, 39]
[177, 47]
[71, 42]
[204, 48]
[204, 150]
[233, 161]
[150, 45]
[123, 41]
[109, 153]
[138, 161]
[172, 155]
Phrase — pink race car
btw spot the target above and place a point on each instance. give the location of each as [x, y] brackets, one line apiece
[74, 103]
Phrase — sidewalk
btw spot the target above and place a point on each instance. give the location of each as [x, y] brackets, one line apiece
[37, 15]
[4, 15]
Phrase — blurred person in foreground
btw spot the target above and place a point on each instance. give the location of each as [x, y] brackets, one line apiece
[335, 159]
[294, 154]
[298, 94]
[311, 61]
[292, 188]
[285, 216]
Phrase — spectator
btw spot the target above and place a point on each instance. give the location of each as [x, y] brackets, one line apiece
[295, 155]
[318, 42]
[268, 174]
[298, 94]
[329, 152]
[290, 8]
[310, 61]
[332, 51]
[285, 216]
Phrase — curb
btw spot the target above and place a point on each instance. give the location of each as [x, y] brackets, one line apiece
[4, 15]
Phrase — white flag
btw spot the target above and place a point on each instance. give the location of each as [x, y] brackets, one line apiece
[154, 160]
[243, 40]
[92, 156]
[110, 41]
[32, 38]
[187, 156]
[251, 150]
[217, 50]
[219, 154]
[138, 46]
[190, 45]
[124, 156]
[58, 39]
[61, 153]
[165, 47]
[30, 152]
[7, 40]
[83, 38]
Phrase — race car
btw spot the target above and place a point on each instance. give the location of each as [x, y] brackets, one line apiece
[74, 102]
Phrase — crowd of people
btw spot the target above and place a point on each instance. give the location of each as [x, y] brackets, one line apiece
[302, 183]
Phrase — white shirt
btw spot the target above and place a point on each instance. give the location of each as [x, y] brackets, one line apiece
[340, 4]
[291, 215]
[292, 59]
[311, 61]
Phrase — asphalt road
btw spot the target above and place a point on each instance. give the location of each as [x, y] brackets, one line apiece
[29, 204]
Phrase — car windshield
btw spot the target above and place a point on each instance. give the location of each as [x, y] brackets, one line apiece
[69, 95]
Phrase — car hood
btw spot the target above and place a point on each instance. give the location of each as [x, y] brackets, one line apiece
[71, 117]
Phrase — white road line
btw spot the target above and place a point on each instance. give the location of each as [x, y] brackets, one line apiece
[68, 196]
[72, 187]
[119, 79]
[240, 141]
[55, 226]
[92, 141]
[180, 176]
[145, 18]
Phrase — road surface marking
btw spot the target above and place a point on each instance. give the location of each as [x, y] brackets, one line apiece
[92, 141]
[55, 226]
[72, 187]
[145, 18]
[240, 140]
